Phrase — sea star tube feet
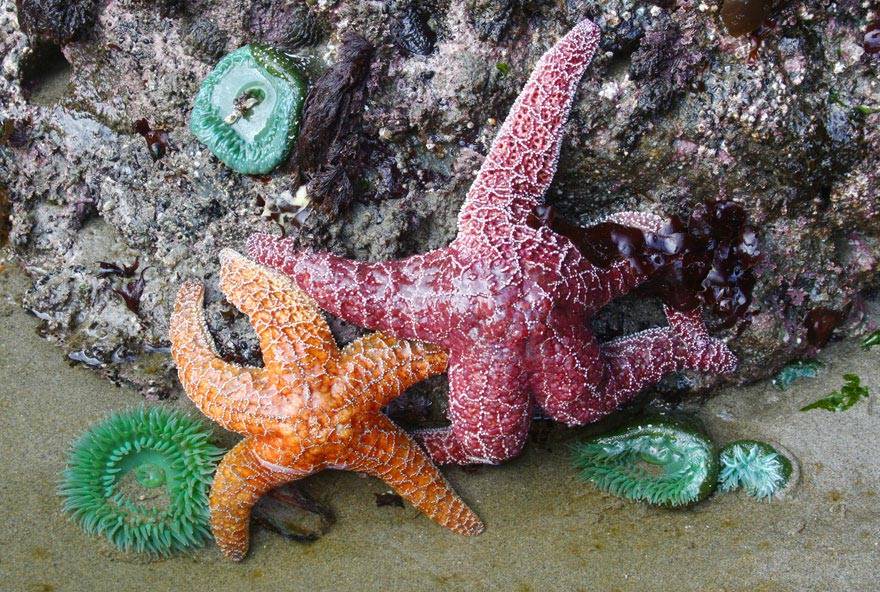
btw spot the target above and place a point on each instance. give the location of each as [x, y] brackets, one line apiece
[509, 299]
[312, 406]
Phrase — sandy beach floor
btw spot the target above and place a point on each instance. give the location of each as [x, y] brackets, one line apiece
[545, 529]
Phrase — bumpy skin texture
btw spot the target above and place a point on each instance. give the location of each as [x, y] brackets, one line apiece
[510, 299]
[311, 407]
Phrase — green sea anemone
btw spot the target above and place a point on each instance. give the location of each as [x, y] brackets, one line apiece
[141, 478]
[757, 467]
[873, 339]
[655, 459]
[796, 371]
[248, 109]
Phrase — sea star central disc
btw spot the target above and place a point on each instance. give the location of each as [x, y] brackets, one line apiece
[311, 407]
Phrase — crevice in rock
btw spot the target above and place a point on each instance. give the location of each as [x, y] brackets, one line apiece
[45, 74]
[5, 213]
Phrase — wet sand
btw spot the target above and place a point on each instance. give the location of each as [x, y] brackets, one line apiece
[545, 529]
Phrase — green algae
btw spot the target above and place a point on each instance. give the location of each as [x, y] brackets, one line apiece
[248, 109]
[873, 339]
[849, 394]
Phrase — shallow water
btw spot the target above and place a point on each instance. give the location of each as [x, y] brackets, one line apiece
[545, 529]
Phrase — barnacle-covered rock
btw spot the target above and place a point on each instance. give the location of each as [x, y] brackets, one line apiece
[59, 20]
[171, 7]
[166, 8]
[411, 32]
[288, 25]
[206, 40]
[490, 18]
[792, 136]
[624, 38]
[248, 109]
[663, 65]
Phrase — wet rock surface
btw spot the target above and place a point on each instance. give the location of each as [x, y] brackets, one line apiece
[293, 514]
[674, 112]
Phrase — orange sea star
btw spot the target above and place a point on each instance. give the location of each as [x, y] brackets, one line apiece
[312, 406]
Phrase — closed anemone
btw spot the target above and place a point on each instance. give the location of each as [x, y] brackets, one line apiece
[757, 467]
[656, 460]
[247, 111]
[796, 371]
[141, 478]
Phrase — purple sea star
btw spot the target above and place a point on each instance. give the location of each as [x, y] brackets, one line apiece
[510, 299]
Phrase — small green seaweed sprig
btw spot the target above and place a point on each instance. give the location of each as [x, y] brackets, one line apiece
[849, 394]
[871, 340]
[861, 109]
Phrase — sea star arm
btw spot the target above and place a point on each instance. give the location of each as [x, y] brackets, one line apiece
[489, 409]
[582, 381]
[242, 478]
[388, 453]
[521, 162]
[225, 392]
[399, 297]
[294, 337]
[384, 366]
